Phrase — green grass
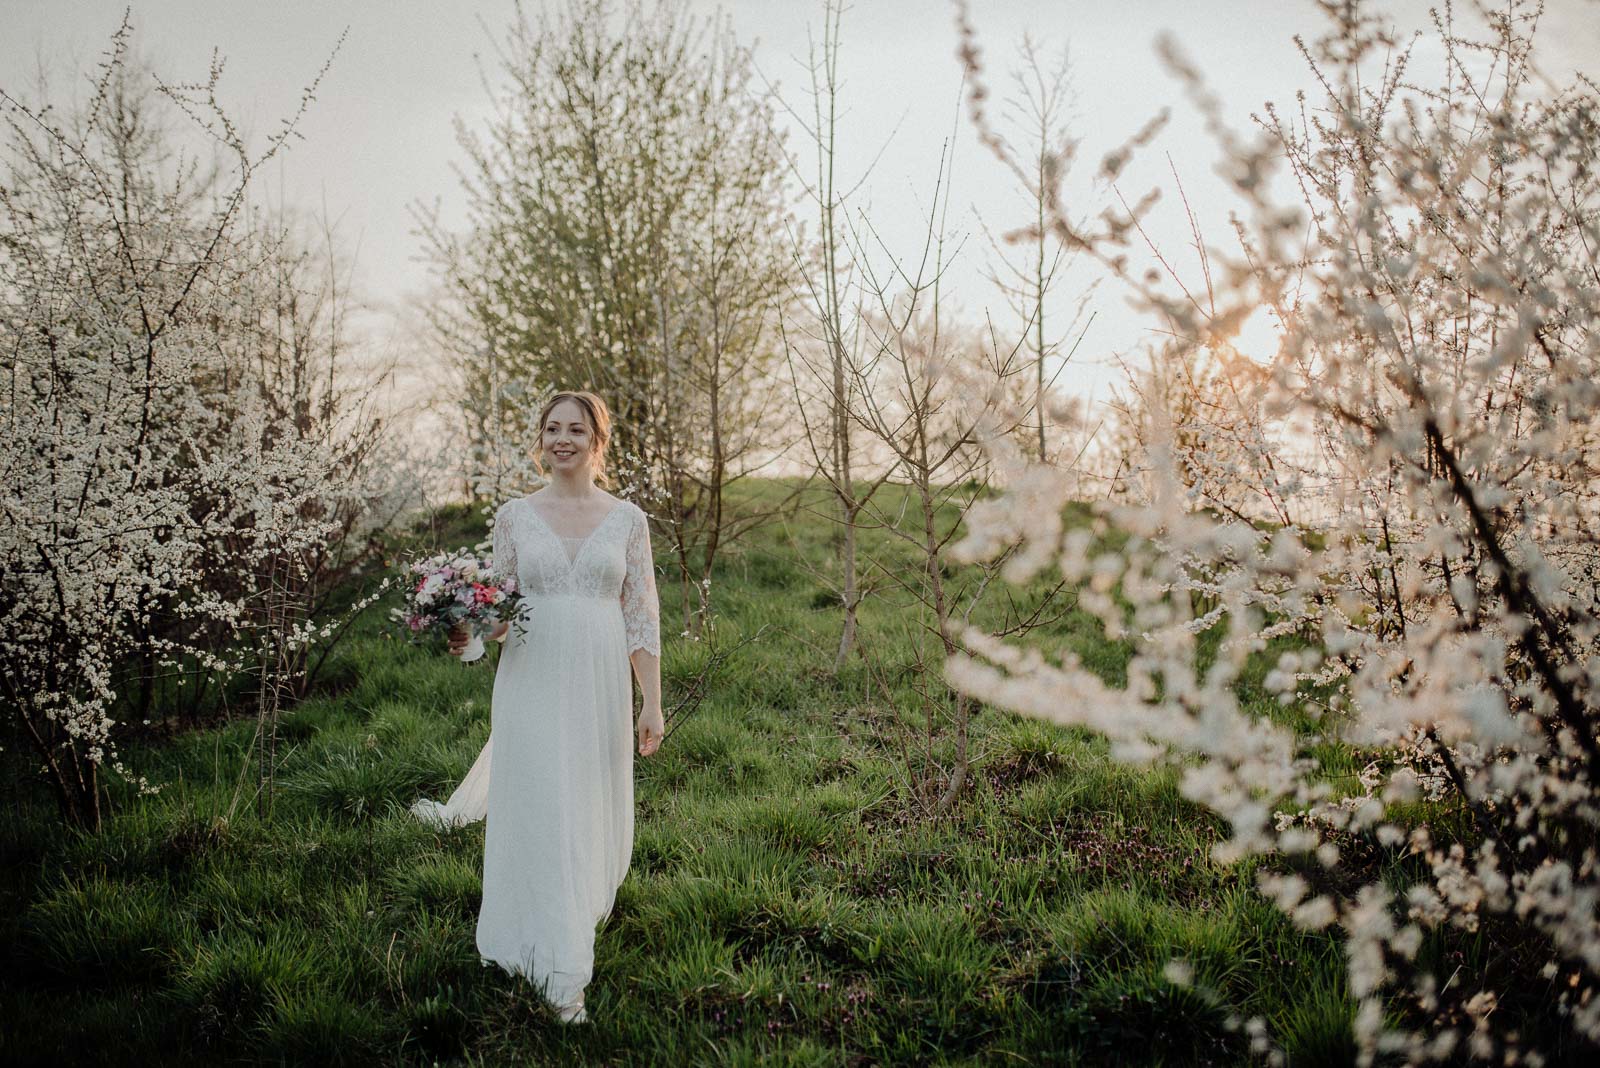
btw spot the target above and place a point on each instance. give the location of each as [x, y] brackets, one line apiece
[785, 904]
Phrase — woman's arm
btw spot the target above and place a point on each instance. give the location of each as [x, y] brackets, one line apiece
[641, 620]
[460, 636]
[647, 669]
[504, 560]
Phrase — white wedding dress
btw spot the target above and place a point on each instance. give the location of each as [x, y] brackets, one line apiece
[555, 779]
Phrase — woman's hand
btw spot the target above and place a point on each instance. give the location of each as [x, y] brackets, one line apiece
[651, 729]
[459, 637]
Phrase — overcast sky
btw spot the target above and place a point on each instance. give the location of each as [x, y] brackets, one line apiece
[379, 137]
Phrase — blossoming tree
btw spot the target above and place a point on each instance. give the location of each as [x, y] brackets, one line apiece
[160, 500]
[1438, 618]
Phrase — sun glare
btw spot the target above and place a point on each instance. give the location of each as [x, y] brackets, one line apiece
[1260, 334]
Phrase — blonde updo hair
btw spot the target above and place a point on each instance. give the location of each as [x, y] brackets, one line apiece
[596, 414]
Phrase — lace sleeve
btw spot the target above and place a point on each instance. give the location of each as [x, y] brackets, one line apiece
[504, 551]
[641, 611]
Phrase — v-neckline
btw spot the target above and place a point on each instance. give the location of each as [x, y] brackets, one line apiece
[572, 561]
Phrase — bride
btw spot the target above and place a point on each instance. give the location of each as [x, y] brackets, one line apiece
[555, 779]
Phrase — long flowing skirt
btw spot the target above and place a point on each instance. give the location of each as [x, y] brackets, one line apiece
[559, 833]
[470, 800]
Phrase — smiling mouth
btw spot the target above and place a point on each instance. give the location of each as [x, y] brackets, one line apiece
[563, 453]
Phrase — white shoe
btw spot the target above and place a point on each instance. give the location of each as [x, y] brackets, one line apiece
[573, 1014]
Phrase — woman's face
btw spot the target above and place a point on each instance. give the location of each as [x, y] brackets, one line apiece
[567, 441]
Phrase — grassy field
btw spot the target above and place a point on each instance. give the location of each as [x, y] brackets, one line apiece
[786, 904]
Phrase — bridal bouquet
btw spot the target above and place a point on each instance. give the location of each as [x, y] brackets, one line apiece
[457, 588]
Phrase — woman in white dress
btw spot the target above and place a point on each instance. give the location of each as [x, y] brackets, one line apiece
[559, 763]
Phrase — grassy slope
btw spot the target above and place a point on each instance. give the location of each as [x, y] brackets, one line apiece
[783, 906]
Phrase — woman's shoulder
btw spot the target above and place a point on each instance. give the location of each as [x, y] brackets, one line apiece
[635, 513]
[615, 503]
[510, 503]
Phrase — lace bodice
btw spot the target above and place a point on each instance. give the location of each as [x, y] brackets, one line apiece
[612, 561]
